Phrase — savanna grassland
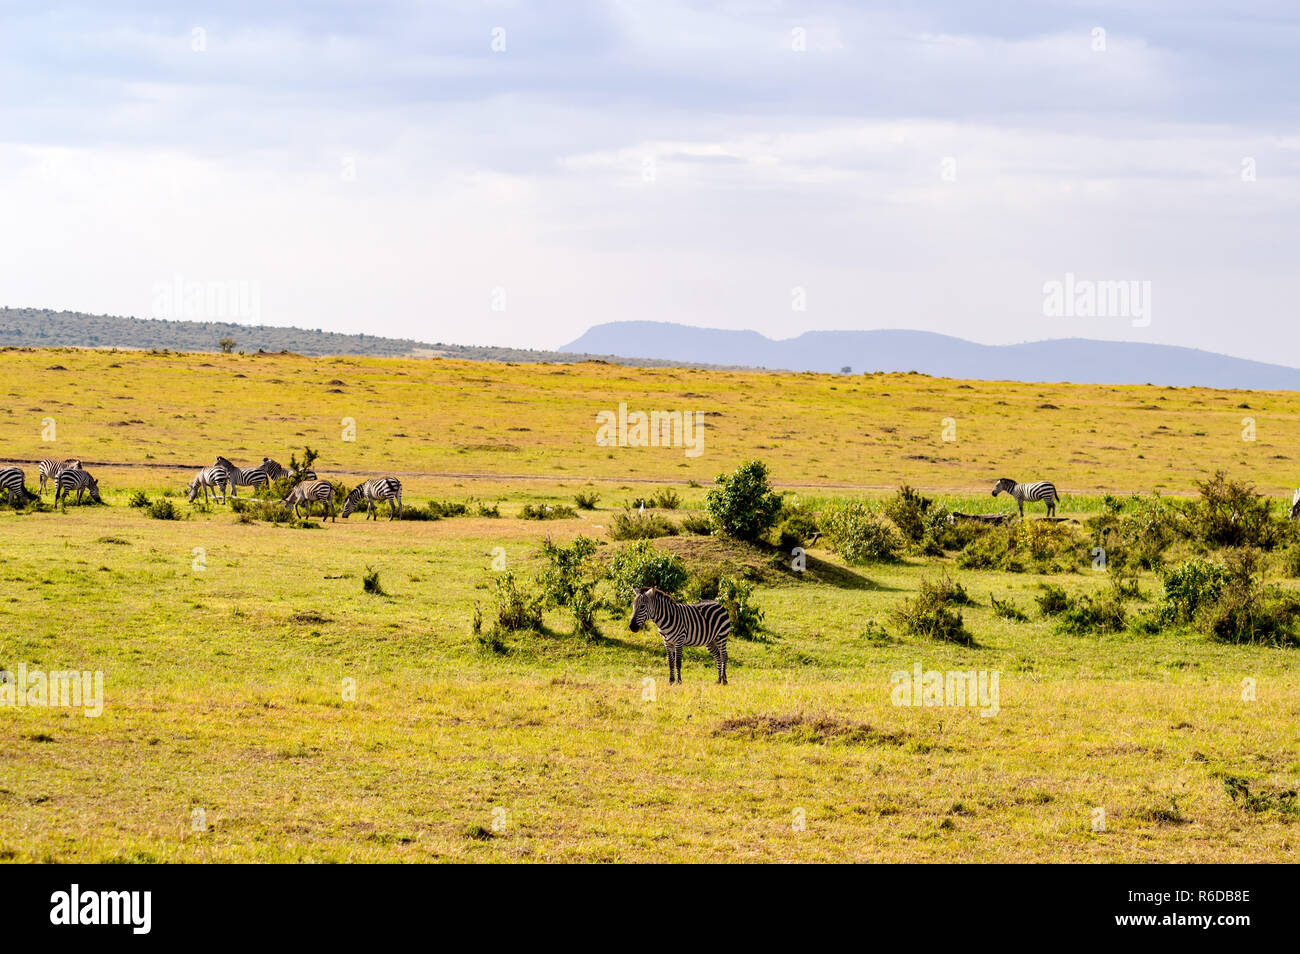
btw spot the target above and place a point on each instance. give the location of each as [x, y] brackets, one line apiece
[228, 642]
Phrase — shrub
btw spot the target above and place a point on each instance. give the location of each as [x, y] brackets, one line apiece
[639, 564]
[665, 499]
[568, 570]
[517, 608]
[583, 603]
[1022, 545]
[138, 499]
[163, 509]
[1092, 613]
[482, 509]
[1053, 599]
[586, 501]
[1229, 513]
[929, 613]
[1005, 609]
[858, 534]
[698, 524]
[631, 525]
[795, 527]
[737, 596]
[370, 582]
[1247, 612]
[1189, 587]
[1290, 561]
[416, 512]
[743, 504]
[907, 509]
[547, 512]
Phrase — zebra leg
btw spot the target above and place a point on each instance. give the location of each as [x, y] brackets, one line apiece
[672, 677]
[722, 664]
[717, 661]
[1021, 503]
[679, 665]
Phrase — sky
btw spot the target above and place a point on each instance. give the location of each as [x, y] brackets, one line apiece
[512, 174]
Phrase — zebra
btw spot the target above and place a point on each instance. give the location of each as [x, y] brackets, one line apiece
[66, 481]
[308, 491]
[14, 480]
[1042, 490]
[243, 476]
[374, 491]
[274, 469]
[704, 624]
[216, 477]
[1295, 504]
[49, 468]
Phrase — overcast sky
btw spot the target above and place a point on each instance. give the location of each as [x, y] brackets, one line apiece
[497, 173]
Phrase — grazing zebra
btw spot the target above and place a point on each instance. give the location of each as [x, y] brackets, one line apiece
[1295, 504]
[308, 491]
[374, 491]
[1042, 490]
[70, 479]
[216, 477]
[243, 476]
[49, 468]
[13, 480]
[704, 624]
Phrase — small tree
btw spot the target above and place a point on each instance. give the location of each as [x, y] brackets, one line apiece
[227, 345]
[743, 504]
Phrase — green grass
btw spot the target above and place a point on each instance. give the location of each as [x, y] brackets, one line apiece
[230, 689]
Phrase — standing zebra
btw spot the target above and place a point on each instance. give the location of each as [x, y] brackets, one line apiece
[216, 477]
[75, 479]
[13, 480]
[1042, 490]
[374, 491]
[274, 469]
[49, 468]
[308, 491]
[704, 624]
[243, 476]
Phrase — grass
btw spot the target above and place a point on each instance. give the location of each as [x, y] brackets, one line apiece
[227, 688]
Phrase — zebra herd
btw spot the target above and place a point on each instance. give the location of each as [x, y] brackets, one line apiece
[221, 478]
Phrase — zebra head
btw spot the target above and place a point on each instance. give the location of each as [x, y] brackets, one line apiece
[350, 504]
[194, 490]
[223, 462]
[73, 465]
[1295, 504]
[94, 489]
[644, 607]
[1004, 485]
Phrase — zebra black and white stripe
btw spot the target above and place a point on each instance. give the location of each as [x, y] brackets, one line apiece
[704, 624]
[307, 492]
[215, 477]
[274, 469]
[49, 467]
[14, 480]
[1042, 490]
[70, 479]
[373, 492]
[243, 476]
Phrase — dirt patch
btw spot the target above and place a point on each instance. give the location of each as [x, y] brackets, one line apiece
[800, 727]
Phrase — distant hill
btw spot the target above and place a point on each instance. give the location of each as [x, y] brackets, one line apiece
[42, 328]
[1078, 360]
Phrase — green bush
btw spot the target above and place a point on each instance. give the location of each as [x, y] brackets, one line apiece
[1189, 587]
[586, 501]
[517, 607]
[583, 604]
[795, 526]
[1229, 513]
[743, 504]
[631, 525]
[1025, 545]
[698, 524]
[139, 499]
[908, 510]
[569, 570]
[547, 512]
[1005, 609]
[858, 534]
[1053, 600]
[163, 509]
[1092, 613]
[639, 565]
[930, 615]
[1247, 612]
[737, 596]
[370, 582]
